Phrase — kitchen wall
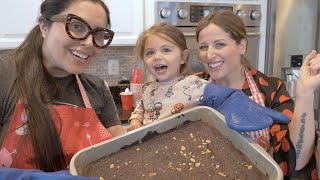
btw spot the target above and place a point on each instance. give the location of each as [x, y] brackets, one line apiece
[100, 66]
[124, 55]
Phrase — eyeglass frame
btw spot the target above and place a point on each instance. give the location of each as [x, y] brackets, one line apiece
[67, 19]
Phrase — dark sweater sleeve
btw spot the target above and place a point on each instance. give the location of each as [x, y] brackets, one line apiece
[8, 97]
[109, 116]
[101, 100]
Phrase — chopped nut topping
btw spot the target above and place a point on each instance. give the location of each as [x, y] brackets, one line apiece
[137, 149]
[179, 169]
[174, 138]
[198, 164]
[222, 174]
[250, 167]
[101, 178]
[111, 166]
[208, 141]
[183, 148]
[192, 160]
[152, 174]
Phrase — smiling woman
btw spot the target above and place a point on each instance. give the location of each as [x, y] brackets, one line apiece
[49, 108]
[222, 43]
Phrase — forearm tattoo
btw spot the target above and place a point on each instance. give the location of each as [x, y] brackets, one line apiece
[301, 135]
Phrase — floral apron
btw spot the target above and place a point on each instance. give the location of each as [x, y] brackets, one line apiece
[78, 128]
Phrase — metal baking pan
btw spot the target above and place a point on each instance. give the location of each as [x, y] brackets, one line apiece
[248, 147]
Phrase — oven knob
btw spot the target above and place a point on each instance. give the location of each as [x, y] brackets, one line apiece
[182, 13]
[254, 15]
[241, 14]
[165, 13]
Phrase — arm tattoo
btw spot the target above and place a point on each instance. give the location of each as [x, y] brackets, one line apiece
[301, 135]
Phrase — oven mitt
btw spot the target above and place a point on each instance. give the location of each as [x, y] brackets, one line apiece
[241, 113]
[34, 174]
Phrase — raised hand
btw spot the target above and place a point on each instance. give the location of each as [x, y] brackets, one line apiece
[309, 77]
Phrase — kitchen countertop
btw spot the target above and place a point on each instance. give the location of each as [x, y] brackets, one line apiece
[124, 115]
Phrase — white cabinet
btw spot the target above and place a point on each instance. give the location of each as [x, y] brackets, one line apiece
[126, 20]
[17, 18]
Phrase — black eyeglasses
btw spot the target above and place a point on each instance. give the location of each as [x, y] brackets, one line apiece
[77, 28]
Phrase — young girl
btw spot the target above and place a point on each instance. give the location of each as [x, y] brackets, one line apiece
[164, 51]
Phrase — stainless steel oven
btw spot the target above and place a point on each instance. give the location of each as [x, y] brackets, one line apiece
[186, 15]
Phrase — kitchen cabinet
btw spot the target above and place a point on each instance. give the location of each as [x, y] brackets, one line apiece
[19, 17]
[126, 20]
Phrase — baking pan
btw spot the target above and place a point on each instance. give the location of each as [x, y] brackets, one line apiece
[248, 147]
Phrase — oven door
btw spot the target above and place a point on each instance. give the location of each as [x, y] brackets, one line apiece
[252, 53]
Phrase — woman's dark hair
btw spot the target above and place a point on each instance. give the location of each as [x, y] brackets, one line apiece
[37, 90]
[230, 23]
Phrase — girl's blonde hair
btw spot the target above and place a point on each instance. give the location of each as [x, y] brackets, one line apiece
[167, 32]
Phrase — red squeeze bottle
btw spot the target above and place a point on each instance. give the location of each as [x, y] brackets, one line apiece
[136, 85]
[136, 76]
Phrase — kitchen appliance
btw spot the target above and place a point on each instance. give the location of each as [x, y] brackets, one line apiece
[186, 15]
[292, 32]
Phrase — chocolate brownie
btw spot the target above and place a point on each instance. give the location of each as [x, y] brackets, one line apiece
[193, 151]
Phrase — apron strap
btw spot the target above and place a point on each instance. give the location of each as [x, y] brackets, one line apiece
[83, 93]
[256, 95]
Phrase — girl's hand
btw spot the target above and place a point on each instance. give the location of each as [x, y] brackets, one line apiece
[134, 124]
[309, 77]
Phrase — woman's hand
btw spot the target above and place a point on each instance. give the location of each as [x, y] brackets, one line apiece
[134, 124]
[309, 77]
[116, 130]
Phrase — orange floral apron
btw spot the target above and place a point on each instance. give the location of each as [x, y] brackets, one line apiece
[78, 128]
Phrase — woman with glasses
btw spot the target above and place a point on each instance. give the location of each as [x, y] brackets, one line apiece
[50, 109]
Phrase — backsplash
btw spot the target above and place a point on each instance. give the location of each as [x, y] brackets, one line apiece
[126, 63]
[124, 55]
[100, 67]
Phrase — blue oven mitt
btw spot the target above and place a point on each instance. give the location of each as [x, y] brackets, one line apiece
[241, 113]
[34, 174]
